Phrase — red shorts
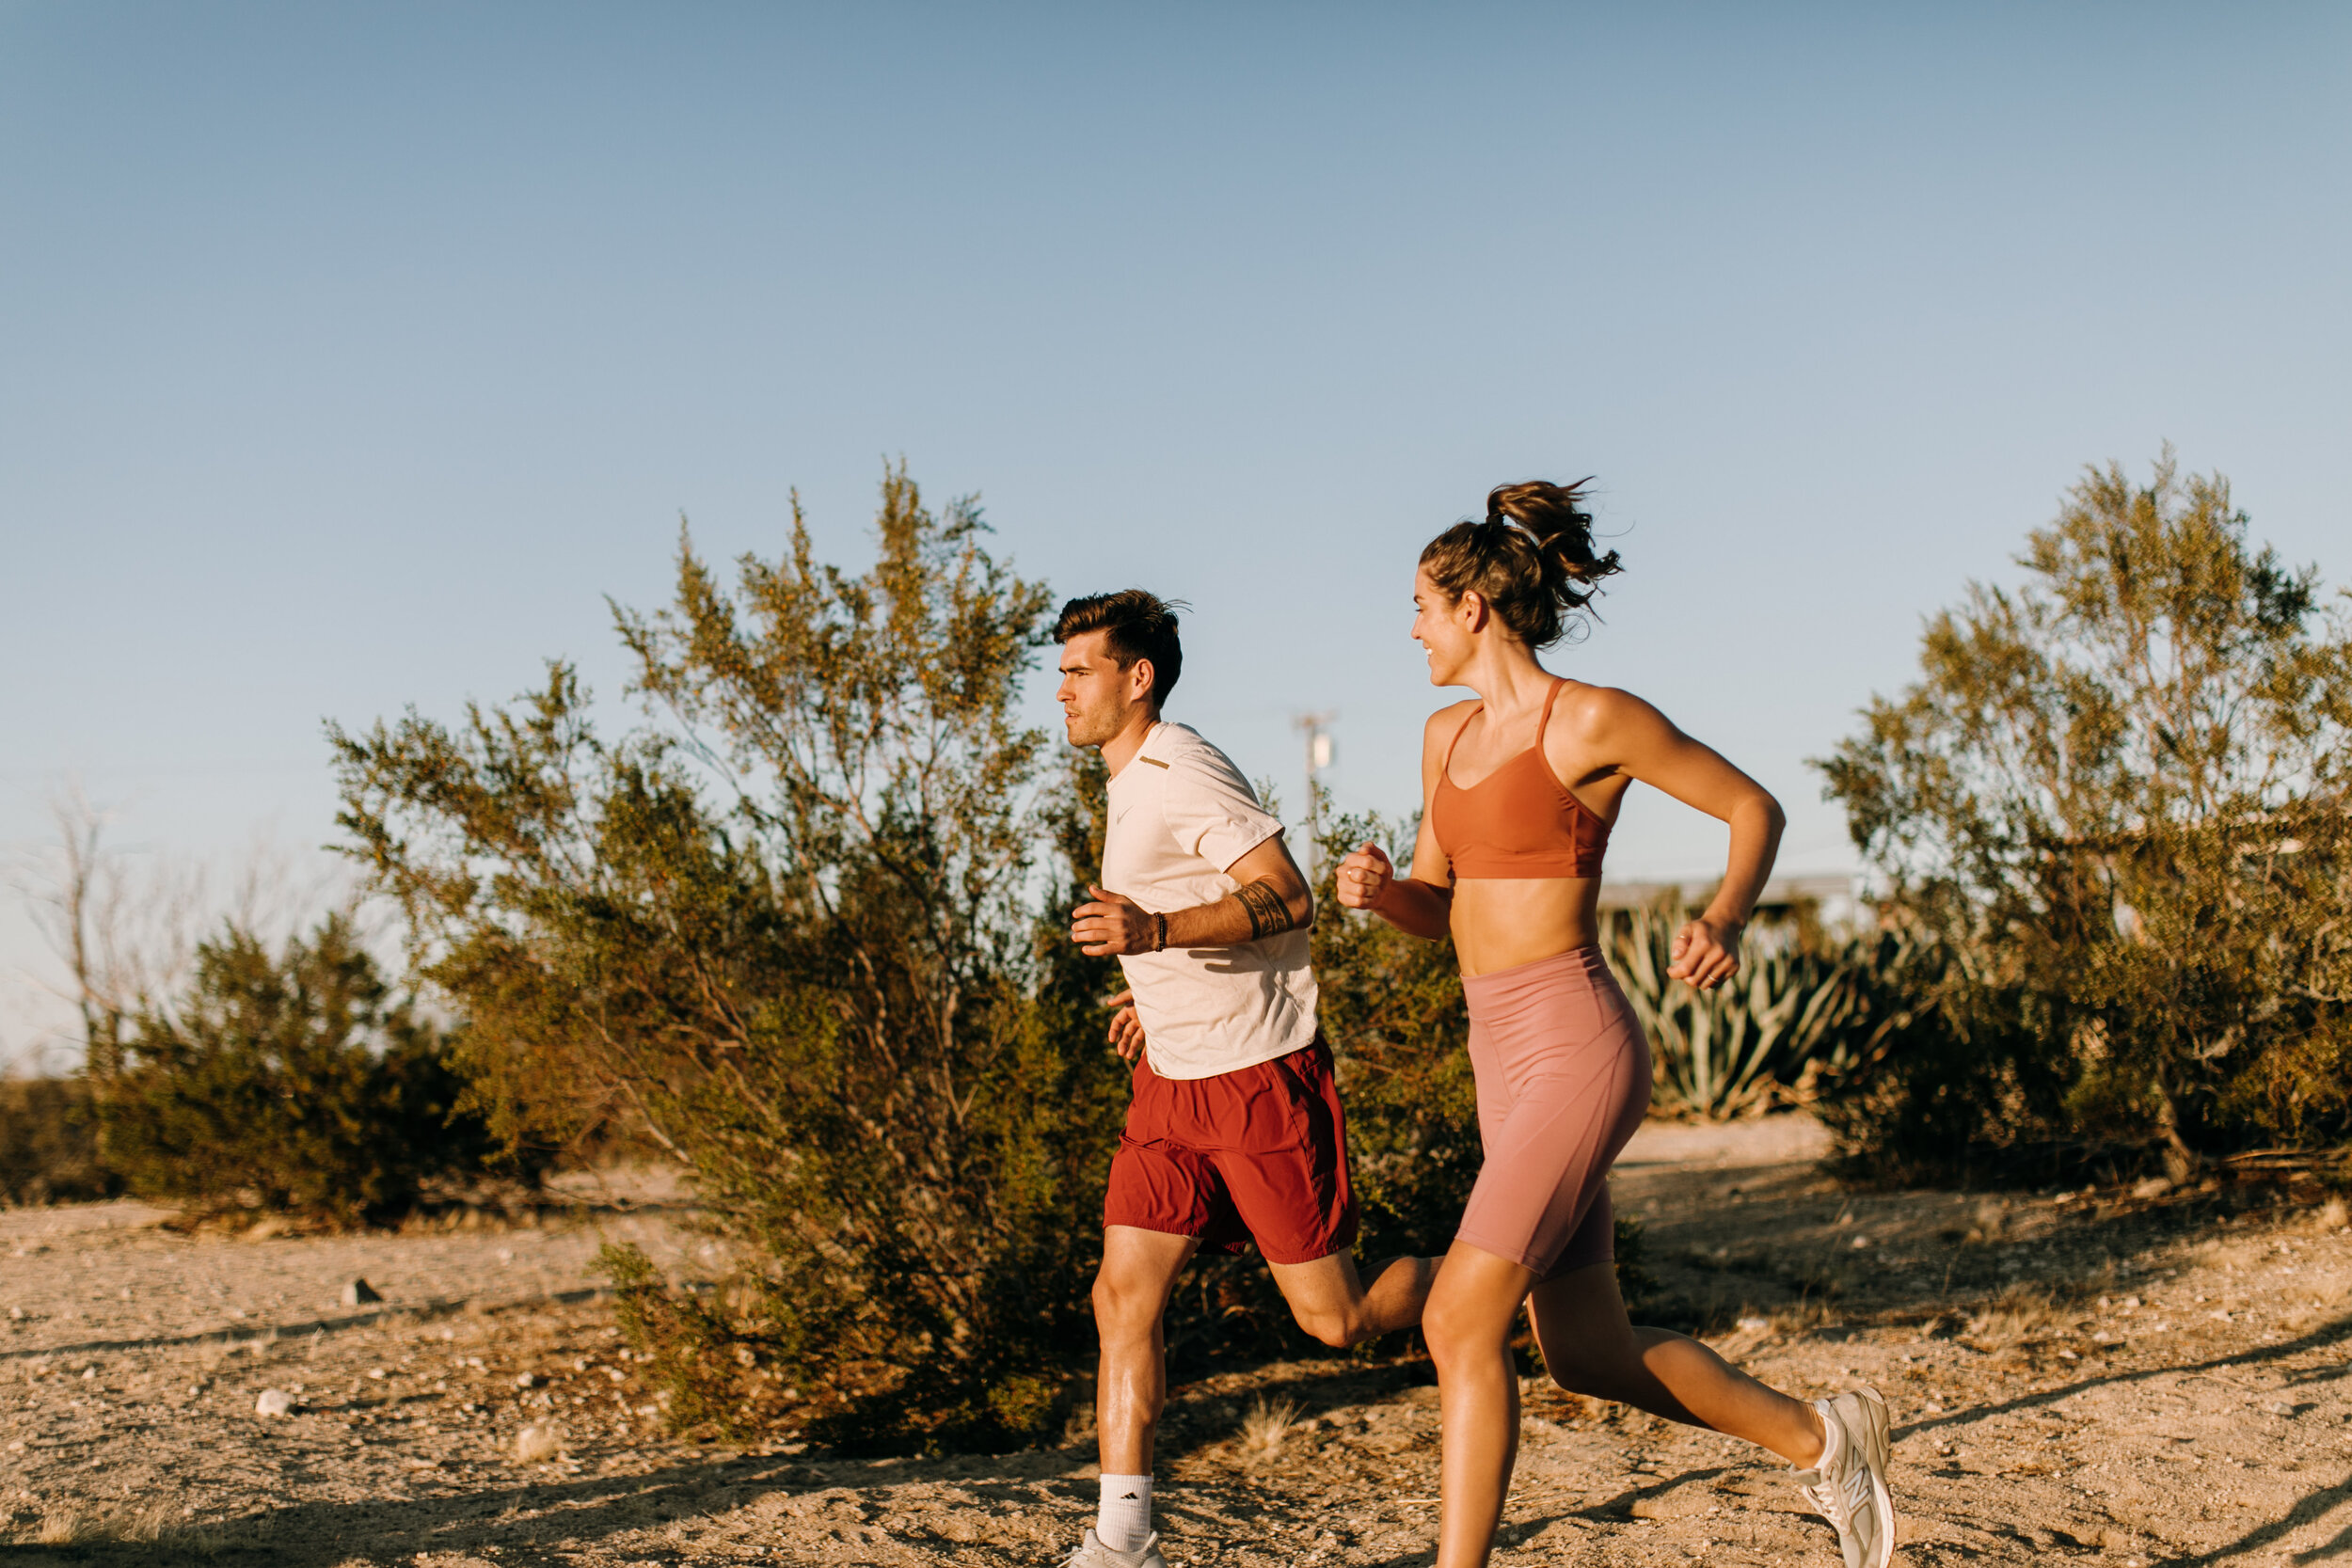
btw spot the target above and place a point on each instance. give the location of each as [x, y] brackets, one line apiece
[1256, 1155]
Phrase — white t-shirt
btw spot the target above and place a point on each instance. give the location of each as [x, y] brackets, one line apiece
[1180, 813]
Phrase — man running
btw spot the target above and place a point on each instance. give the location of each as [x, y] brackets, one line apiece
[1235, 1134]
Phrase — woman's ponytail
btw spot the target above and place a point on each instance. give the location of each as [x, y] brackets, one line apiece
[1531, 559]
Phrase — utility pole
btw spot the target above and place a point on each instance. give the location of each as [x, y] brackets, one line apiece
[1320, 752]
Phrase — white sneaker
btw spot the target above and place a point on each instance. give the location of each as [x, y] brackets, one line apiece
[1092, 1553]
[1849, 1483]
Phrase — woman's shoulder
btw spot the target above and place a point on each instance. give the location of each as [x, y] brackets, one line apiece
[1584, 711]
[1444, 724]
[1437, 734]
[1449, 718]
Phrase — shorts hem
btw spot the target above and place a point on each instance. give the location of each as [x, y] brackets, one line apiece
[1331, 1251]
[1200, 1235]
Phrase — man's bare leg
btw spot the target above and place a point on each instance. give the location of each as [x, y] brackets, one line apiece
[1139, 1268]
[1340, 1309]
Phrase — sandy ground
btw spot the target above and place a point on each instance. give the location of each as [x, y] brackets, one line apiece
[2093, 1376]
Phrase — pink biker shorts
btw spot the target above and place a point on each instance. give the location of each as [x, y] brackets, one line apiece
[1564, 1078]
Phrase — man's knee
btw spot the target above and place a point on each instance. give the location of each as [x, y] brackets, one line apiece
[1332, 1327]
[1114, 1302]
[1124, 1305]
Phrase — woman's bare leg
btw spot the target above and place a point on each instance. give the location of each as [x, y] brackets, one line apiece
[1468, 1324]
[1590, 1347]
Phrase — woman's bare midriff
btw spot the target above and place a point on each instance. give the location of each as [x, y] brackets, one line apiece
[1501, 923]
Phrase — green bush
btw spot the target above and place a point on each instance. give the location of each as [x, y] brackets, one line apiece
[293, 1082]
[49, 1142]
[790, 928]
[2114, 818]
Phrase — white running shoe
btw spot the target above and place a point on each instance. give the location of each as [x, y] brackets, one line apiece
[1849, 1483]
[1092, 1553]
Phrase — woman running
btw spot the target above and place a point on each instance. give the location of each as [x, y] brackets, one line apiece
[1519, 789]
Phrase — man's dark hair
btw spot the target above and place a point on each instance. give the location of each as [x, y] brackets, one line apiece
[1141, 626]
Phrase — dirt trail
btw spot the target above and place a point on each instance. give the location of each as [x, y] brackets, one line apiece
[2085, 1376]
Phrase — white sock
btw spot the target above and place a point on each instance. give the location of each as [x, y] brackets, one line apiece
[1122, 1521]
[1833, 1436]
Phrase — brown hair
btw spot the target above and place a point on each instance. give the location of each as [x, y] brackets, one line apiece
[1526, 560]
[1141, 626]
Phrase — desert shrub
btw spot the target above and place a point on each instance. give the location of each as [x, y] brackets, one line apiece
[2112, 816]
[295, 1081]
[49, 1142]
[789, 926]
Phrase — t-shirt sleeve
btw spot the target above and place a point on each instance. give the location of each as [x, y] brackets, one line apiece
[1211, 810]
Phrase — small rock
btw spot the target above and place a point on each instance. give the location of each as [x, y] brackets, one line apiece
[17, 1312]
[2156, 1186]
[359, 1292]
[274, 1401]
[2279, 1407]
[538, 1443]
[527, 1380]
[1754, 1325]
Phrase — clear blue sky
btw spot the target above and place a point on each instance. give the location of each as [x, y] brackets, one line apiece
[349, 355]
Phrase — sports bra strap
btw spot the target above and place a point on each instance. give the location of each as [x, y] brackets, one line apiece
[1545, 722]
[1445, 768]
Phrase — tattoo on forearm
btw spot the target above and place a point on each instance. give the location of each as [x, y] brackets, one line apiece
[1268, 913]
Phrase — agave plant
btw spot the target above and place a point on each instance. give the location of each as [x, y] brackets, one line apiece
[1789, 1019]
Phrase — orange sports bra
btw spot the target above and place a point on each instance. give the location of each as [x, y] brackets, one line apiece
[1518, 821]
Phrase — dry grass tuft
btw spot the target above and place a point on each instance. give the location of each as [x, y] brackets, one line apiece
[1565, 1407]
[155, 1523]
[2018, 1316]
[1808, 1312]
[538, 1443]
[1266, 1425]
[152, 1522]
[65, 1527]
